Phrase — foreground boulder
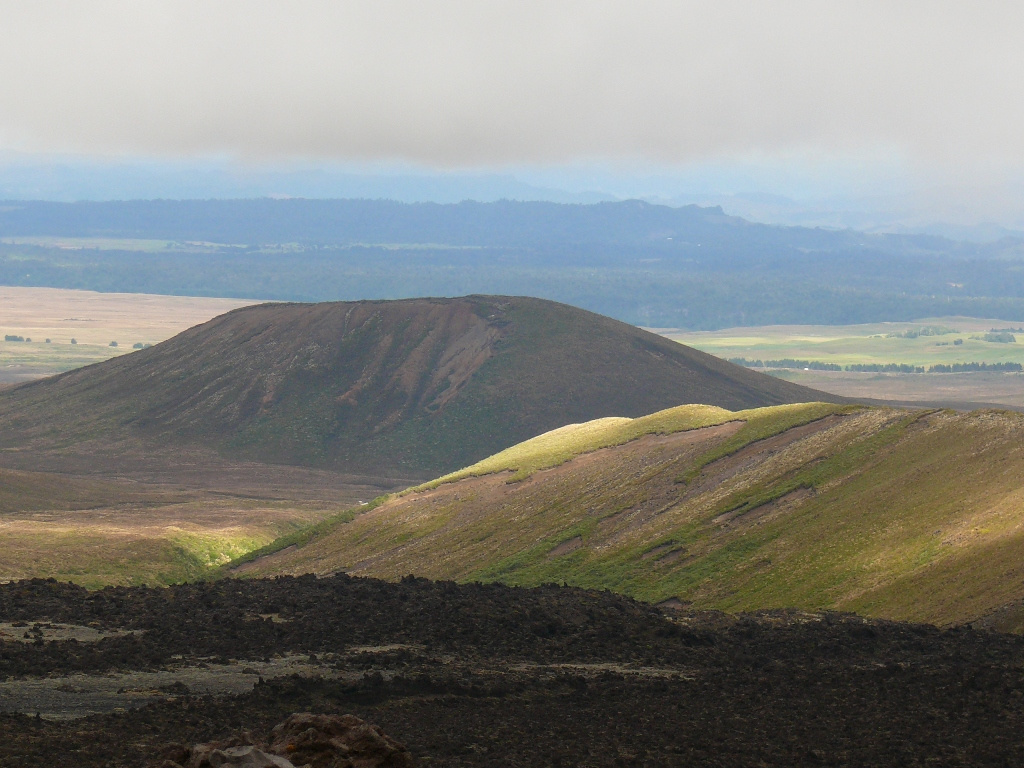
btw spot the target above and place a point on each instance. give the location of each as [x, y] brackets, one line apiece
[304, 740]
[330, 741]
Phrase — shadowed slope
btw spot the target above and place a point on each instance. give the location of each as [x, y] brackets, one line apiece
[405, 388]
[899, 514]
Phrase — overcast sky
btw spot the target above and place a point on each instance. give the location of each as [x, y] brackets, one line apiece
[933, 88]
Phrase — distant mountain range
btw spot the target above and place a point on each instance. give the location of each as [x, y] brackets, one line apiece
[499, 224]
[758, 198]
[645, 264]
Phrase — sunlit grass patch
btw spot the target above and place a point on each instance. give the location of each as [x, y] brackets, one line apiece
[560, 445]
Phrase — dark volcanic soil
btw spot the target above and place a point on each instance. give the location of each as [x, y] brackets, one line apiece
[473, 675]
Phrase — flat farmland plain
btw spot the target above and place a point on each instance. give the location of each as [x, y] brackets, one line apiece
[93, 320]
[882, 344]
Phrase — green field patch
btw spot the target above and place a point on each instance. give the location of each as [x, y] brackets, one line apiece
[96, 559]
[924, 343]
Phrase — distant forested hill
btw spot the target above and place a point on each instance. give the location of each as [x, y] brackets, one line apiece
[346, 222]
[652, 265]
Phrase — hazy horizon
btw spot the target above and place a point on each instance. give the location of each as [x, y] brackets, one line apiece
[875, 116]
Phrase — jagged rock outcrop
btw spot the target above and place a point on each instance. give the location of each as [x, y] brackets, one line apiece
[304, 740]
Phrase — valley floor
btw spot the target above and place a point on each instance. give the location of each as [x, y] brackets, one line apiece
[165, 517]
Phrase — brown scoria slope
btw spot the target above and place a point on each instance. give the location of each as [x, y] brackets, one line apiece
[914, 515]
[400, 388]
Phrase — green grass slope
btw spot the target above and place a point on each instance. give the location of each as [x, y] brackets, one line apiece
[904, 514]
[408, 388]
[98, 532]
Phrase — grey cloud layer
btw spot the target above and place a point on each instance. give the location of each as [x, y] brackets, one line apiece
[461, 83]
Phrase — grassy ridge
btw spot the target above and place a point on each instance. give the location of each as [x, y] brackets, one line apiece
[762, 423]
[566, 443]
[546, 451]
[911, 515]
[560, 445]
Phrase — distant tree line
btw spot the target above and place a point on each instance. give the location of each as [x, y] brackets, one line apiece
[1000, 337]
[968, 367]
[928, 330]
[885, 368]
[815, 365]
[786, 362]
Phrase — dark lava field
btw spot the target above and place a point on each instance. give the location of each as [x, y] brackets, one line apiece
[486, 675]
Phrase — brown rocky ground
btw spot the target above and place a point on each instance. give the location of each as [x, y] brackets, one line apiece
[479, 675]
